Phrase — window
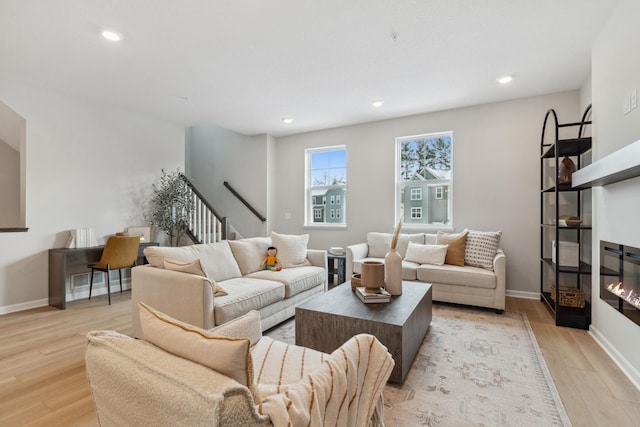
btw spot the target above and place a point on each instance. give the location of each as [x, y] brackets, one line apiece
[439, 192]
[326, 178]
[424, 180]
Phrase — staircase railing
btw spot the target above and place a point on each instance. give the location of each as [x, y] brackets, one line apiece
[205, 225]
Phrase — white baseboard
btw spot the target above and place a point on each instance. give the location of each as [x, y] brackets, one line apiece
[83, 291]
[627, 368]
[6, 309]
[523, 294]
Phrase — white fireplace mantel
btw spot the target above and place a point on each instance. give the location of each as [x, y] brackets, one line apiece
[617, 166]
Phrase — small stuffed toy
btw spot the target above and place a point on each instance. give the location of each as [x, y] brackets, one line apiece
[271, 262]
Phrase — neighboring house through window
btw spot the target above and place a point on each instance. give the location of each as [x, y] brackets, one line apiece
[326, 184]
[424, 180]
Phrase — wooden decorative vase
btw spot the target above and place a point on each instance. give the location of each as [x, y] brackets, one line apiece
[372, 275]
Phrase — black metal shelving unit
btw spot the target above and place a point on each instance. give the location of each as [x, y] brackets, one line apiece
[558, 199]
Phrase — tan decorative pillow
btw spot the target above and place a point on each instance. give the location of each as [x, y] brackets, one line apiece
[229, 356]
[292, 249]
[245, 326]
[193, 267]
[456, 243]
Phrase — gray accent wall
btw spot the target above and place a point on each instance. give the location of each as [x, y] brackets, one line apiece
[496, 152]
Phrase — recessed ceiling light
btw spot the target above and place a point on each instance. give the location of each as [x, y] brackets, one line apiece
[377, 103]
[505, 79]
[111, 35]
[287, 120]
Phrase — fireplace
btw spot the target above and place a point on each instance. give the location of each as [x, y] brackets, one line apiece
[620, 278]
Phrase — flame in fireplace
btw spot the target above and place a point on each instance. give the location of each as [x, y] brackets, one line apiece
[631, 295]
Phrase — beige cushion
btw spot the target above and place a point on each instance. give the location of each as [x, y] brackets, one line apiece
[217, 258]
[426, 254]
[456, 243]
[292, 249]
[250, 252]
[245, 326]
[295, 280]
[405, 239]
[379, 244]
[193, 267]
[481, 247]
[471, 277]
[229, 356]
[430, 239]
[246, 294]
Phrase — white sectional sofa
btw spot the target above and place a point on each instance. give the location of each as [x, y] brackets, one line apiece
[229, 280]
[480, 280]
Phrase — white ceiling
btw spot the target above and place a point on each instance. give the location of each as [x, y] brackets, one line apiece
[246, 64]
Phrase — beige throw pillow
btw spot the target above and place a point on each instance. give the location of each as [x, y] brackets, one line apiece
[245, 326]
[292, 249]
[455, 250]
[481, 248]
[379, 244]
[193, 267]
[250, 252]
[229, 356]
[426, 254]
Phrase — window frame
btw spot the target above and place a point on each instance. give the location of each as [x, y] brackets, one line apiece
[333, 198]
[443, 186]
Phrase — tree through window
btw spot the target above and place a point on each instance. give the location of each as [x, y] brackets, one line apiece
[424, 166]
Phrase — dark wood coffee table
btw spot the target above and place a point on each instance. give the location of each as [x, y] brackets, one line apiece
[326, 321]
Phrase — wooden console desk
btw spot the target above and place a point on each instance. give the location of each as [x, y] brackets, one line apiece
[64, 261]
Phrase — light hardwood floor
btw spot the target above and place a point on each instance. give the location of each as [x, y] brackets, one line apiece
[43, 382]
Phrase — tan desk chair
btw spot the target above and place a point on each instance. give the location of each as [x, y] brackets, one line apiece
[119, 252]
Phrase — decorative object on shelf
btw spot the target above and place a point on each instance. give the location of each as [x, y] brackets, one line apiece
[566, 169]
[336, 250]
[356, 281]
[569, 221]
[368, 296]
[393, 265]
[82, 238]
[570, 297]
[372, 275]
[143, 232]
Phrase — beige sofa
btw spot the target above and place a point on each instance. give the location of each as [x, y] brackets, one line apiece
[232, 281]
[180, 375]
[466, 284]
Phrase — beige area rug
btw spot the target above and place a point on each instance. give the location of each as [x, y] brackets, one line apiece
[474, 368]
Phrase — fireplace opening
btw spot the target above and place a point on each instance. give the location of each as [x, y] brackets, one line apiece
[620, 278]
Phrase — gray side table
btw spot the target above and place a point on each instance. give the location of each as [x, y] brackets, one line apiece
[336, 265]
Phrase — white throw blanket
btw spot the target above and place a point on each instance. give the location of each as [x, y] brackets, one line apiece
[343, 391]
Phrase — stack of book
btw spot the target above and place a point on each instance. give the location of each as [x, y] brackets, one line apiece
[368, 296]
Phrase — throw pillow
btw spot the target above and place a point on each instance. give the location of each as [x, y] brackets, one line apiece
[481, 248]
[404, 240]
[246, 326]
[193, 267]
[249, 253]
[229, 356]
[379, 244]
[426, 254]
[292, 249]
[456, 243]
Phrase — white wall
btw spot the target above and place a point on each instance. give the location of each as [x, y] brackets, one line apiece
[88, 165]
[615, 72]
[496, 176]
[216, 155]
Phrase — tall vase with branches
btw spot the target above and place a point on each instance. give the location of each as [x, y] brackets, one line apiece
[172, 205]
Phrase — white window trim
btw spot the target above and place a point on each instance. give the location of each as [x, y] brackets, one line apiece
[398, 188]
[308, 216]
